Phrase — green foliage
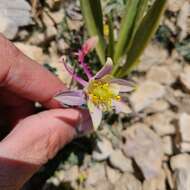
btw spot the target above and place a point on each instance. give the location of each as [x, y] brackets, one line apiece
[143, 35]
[184, 49]
[93, 19]
[111, 37]
[138, 24]
[126, 28]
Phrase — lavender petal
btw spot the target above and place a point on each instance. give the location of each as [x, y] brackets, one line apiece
[86, 126]
[125, 86]
[71, 98]
[107, 68]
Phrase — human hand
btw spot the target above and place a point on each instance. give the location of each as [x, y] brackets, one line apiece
[35, 138]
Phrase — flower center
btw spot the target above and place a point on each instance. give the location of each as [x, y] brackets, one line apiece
[102, 94]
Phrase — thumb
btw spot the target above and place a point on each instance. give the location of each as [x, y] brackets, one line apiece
[37, 138]
[33, 142]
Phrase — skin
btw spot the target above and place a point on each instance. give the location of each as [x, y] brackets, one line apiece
[33, 138]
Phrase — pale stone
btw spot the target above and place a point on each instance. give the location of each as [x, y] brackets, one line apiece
[181, 166]
[185, 147]
[175, 5]
[31, 51]
[112, 175]
[157, 183]
[167, 145]
[146, 93]
[128, 182]
[184, 127]
[146, 148]
[154, 55]
[185, 78]
[14, 15]
[183, 20]
[103, 150]
[169, 176]
[95, 174]
[157, 106]
[72, 174]
[101, 185]
[160, 74]
[161, 123]
[120, 161]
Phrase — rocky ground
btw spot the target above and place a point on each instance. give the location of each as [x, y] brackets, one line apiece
[146, 150]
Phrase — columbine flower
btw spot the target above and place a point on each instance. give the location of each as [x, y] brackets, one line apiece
[100, 93]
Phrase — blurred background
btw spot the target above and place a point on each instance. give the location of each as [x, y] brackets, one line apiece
[145, 150]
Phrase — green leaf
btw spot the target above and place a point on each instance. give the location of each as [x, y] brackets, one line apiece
[127, 24]
[97, 14]
[143, 5]
[143, 35]
[111, 37]
[92, 27]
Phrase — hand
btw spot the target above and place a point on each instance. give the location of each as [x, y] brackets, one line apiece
[35, 138]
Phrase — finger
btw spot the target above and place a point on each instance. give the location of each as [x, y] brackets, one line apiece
[33, 142]
[13, 108]
[25, 77]
[11, 99]
[12, 115]
[37, 138]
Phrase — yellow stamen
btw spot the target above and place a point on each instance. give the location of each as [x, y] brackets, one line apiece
[101, 94]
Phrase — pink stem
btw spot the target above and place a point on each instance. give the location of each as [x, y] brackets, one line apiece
[85, 67]
[75, 76]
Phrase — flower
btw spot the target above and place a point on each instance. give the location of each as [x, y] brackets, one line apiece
[100, 93]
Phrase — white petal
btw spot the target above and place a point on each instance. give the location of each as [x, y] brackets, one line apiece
[96, 114]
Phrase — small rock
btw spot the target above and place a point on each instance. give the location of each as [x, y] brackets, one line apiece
[169, 176]
[157, 106]
[103, 150]
[184, 105]
[31, 51]
[14, 15]
[185, 78]
[119, 161]
[53, 3]
[181, 166]
[72, 174]
[112, 175]
[184, 127]
[161, 123]
[128, 182]
[183, 19]
[185, 147]
[167, 145]
[50, 26]
[153, 55]
[157, 183]
[175, 5]
[174, 96]
[145, 147]
[174, 66]
[102, 185]
[95, 174]
[160, 74]
[62, 45]
[147, 93]
[74, 24]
